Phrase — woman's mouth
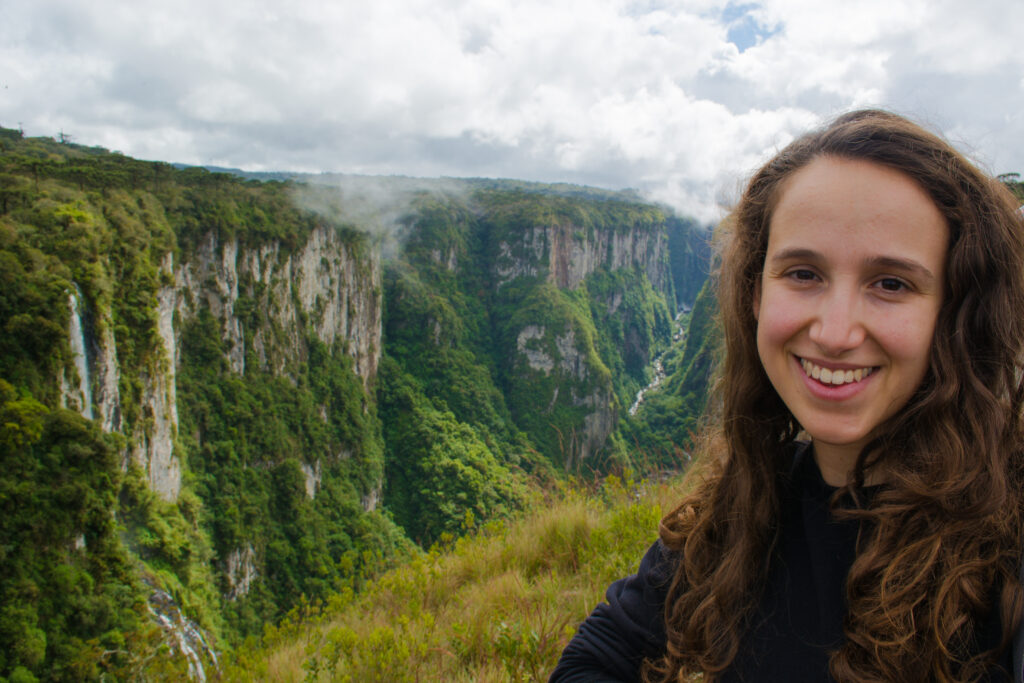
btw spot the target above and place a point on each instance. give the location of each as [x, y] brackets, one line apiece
[835, 377]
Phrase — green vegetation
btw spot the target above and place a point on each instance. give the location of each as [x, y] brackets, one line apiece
[1012, 181]
[516, 330]
[442, 475]
[491, 320]
[250, 436]
[633, 323]
[71, 601]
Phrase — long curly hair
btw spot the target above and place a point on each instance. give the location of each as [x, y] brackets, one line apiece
[940, 546]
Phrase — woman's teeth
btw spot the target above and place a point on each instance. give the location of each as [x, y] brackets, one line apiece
[835, 377]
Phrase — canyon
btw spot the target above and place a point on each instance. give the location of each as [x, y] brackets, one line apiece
[294, 394]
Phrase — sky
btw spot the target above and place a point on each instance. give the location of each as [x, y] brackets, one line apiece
[681, 100]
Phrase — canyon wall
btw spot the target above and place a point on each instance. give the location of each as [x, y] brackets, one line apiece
[326, 287]
[576, 294]
[560, 363]
[565, 254]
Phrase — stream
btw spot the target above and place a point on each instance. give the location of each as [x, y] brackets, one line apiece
[658, 365]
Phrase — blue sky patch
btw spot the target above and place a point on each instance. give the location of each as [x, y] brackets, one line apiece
[744, 29]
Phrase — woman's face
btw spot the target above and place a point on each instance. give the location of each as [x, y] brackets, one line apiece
[848, 299]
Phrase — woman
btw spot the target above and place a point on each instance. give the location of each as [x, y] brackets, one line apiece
[872, 301]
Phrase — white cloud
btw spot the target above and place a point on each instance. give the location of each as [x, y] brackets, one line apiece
[623, 93]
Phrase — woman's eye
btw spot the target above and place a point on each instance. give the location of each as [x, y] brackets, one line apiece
[891, 284]
[802, 274]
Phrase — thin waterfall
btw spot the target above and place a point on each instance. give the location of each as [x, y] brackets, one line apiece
[79, 346]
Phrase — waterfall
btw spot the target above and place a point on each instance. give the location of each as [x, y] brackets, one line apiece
[183, 635]
[79, 346]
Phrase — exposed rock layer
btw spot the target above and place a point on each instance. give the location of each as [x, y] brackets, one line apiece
[566, 254]
[328, 285]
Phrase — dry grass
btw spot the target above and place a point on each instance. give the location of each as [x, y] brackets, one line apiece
[497, 605]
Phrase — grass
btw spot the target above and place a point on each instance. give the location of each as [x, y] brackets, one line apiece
[498, 604]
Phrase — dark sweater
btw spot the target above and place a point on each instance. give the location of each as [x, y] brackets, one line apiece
[798, 621]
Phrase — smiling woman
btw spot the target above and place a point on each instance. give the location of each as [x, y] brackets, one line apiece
[858, 514]
[848, 300]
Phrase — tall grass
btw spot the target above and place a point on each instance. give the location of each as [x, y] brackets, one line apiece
[499, 604]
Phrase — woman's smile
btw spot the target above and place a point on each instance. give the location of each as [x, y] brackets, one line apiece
[832, 375]
[832, 383]
[848, 300]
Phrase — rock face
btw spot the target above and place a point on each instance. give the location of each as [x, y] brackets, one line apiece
[565, 254]
[312, 475]
[153, 449]
[560, 356]
[555, 364]
[327, 283]
[106, 394]
[240, 571]
[327, 286]
[92, 390]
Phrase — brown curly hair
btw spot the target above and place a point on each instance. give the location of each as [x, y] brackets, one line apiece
[940, 546]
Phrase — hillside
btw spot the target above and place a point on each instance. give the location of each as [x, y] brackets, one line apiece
[498, 604]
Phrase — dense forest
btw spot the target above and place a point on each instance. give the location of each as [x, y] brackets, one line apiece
[225, 397]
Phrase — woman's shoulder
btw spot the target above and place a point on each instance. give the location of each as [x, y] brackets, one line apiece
[612, 643]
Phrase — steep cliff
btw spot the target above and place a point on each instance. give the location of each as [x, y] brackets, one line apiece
[555, 302]
[326, 288]
[564, 253]
[588, 292]
[328, 284]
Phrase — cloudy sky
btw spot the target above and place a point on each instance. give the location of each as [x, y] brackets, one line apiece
[678, 98]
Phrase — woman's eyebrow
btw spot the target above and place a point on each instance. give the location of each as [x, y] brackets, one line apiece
[795, 254]
[904, 264]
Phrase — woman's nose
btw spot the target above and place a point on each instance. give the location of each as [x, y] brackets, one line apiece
[838, 326]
